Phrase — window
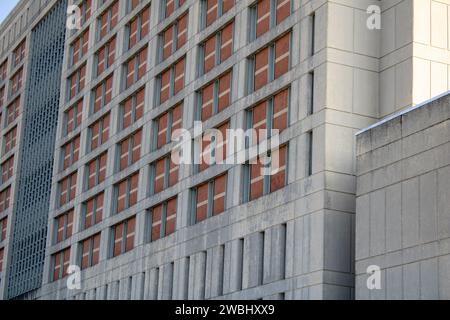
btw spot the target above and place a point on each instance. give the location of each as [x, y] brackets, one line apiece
[1, 259]
[209, 199]
[269, 63]
[89, 251]
[96, 171]
[12, 111]
[60, 263]
[309, 143]
[214, 97]
[130, 150]
[138, 28]
[70, 152]
[99, 132]
[132, 109]
[85, 11]
[166, 124]
[132, 4]
[72, 117]
[162, 219]
[102, 94]
[163, 174]
[214, 9]
[174, 37]
[93, 211]
[311, 84]
[263, 175]
[10, 140]
[217, 48]
[4, 199]
[271, 114]
[67, 189]
[214, 147]
[79, 47]
[266, 14]
[123, 237]
[312, 46]
[108, 20]
[126, 192]
[7, 168]
[105, 56]
[171, 81]
[76, 82]
[136, 68]
[16, 82]
[19, 53]
[3, 69]
[2, 95]
[3, 228]
[169, 6]
[64, 226]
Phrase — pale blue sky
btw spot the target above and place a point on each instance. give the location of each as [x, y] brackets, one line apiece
[5, 8]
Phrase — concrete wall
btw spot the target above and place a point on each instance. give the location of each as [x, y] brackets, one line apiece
[403, 204]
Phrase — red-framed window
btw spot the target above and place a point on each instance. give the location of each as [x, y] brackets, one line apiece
[60, 264]
[171, 81]
[271, 62]
[102, 94]
[214, 146]
[138, 28]
[3, 70]
[96, 171]
[70, 152]
[5, 197]
[10, 140]
[126, 192]
[85, 8]
[72, 117]
[7, 169]
[209, 198]
[130, 150]
[136, 68]
[266, 174]
[132, 109]
[3, 228]
[108, 20]
[270, 114]
[99, 132]
[89, 252]
[12, 111]
[214, 9]
[163, 174]
[79, 47]
[16, 82]
[174, 37]
[63, 226]
[162, 219]
[76, 82]
[214, 97]
[217, 48]
[105, 57]
[67, 189]
[19, 53]
[123, 237]
[266, 14]
[166, 124]
[93, 211]
[169, 6]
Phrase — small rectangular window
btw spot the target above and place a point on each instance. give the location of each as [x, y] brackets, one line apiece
[3, 228]
[5, 197]
[126, 192]
[104, 58]
[132, 109]
[209, 198]
[138, 28]
[60, 264]
[163, 174]
[108, 20]
[171, 81]
[89, 251]
[67, 189]
[102, 94]
[99, 132]
[123, 237]
[162, 219]
[167, 124]
[63, 226]
[217, 48]
[96, 171]
[93, 211]
[72, 117]
[129, 150]
[136, 68]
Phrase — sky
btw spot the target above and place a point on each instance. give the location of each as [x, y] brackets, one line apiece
[5, 8]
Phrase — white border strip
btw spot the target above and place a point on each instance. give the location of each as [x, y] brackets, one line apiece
[402, 112]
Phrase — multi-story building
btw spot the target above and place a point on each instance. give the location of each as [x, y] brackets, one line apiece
[140, 226]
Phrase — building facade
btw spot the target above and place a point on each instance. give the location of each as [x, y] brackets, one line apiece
[403, 211]
[141, 227]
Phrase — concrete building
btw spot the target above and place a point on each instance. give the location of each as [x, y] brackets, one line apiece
[142, 228]
[403, 210]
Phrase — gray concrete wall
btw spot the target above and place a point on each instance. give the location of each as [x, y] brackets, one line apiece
[403, 204]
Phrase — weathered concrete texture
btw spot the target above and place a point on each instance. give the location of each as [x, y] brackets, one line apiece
[403, 204]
